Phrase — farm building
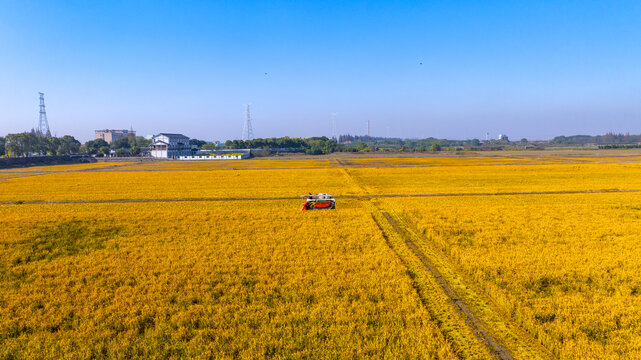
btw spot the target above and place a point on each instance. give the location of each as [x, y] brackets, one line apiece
[170, 146]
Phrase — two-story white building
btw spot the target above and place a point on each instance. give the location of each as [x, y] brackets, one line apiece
[170, 146]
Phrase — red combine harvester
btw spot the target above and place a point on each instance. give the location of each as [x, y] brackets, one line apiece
[318, 202]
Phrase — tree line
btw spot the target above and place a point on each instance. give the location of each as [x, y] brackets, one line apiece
[608, 138]
[311, 146]
[30, 143]
[129, 145]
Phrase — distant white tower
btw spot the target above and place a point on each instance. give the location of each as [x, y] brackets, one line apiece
[334, 132]
[248, 132]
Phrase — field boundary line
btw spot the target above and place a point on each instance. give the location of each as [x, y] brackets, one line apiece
[22, 174]
[498, 193]
[364, 196]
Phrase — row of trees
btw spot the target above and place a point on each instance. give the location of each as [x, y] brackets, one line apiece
[30, 143]
[275, 143]
[24, 144]
[312, 145]
[126, 145]
[427, 144]
[608, 138]
[348, 143]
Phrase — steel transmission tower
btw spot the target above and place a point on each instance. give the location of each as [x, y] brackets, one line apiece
[43, 124]
[248, 133]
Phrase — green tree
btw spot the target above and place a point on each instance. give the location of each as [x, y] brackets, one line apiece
[121, 152]
[135, 150]
[68, 145]
[197, 143]
[2, 148]
[314, 150]
[104, 150]
[210, 146]
[435, 147]
[142, 141]
[122, 142]
[50, 145]
[93, 146]
[23, 143]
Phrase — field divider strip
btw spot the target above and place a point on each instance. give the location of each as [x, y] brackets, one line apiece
[364, 196]
[499, 193]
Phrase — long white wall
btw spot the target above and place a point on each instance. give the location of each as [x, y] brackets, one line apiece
[214, 157]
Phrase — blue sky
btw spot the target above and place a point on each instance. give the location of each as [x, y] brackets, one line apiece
[527, 69]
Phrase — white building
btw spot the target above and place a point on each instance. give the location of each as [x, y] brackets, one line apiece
[170, 146]
[221, 156]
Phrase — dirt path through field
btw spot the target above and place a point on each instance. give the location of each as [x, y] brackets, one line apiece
[470, 318]
[364, 196]
[479, 328]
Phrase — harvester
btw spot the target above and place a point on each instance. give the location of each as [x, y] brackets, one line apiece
[318, 202]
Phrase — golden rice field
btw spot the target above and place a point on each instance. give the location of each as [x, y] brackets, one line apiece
[215, 259]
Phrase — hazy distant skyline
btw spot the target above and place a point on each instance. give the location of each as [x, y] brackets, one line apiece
[447, 69]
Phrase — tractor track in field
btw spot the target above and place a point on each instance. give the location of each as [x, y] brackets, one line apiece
[364, 196]
[461, 307]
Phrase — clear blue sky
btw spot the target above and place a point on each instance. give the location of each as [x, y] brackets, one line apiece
[526, 69]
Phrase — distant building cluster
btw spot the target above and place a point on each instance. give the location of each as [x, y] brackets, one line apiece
[111, 135]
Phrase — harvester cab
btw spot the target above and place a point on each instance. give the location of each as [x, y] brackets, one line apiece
[318, 202]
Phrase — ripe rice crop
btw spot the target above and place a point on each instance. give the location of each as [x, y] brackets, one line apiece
[525, 273]
[564, 266]
[208, 279]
